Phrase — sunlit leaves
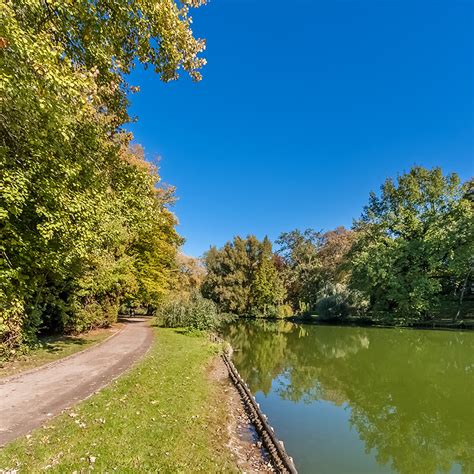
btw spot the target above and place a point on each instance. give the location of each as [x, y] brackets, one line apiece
[415, 243]
[83, 224]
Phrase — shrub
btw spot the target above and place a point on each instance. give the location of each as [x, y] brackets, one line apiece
[338, 302]
[284, 311]
[194, 312]
[333, 307]
[277, 312]
[92, 313]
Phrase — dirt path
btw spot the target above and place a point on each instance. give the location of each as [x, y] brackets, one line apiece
[28, 400]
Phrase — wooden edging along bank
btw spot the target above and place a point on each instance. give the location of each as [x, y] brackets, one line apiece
[278, 455]
[280, 459]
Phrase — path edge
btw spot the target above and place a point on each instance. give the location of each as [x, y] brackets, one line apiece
[10, 378]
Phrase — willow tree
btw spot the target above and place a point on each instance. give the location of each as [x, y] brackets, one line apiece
[73, 198]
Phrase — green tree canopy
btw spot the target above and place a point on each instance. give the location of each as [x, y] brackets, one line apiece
[302, 269]
[242, 277]
[83, 224]
[415, 242]
[267, 286]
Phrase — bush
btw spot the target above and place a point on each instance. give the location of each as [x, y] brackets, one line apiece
[333, 307]
[338, 302]
[92, 313]
[194, 312]
[284, 311]
[278, 312]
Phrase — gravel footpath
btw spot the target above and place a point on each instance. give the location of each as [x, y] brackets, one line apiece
[28, 400]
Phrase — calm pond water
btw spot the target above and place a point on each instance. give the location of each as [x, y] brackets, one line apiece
[363, 400]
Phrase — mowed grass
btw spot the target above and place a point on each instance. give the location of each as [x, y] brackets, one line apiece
[164, 415]
[52, 348]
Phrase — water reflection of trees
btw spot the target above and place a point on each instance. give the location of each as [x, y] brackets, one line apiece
[410, 391]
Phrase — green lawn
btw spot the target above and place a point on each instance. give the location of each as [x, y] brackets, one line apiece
[52, 348]
[163, 415]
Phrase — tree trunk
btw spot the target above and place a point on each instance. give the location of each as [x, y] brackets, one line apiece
[461, 296]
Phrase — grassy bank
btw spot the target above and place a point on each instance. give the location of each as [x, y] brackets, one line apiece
[163, 415]
[52, 348]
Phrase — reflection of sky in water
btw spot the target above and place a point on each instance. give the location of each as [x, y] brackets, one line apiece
[318, 431]
[356, 400]
[319, 436]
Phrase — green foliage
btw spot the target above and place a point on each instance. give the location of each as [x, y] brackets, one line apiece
[191, 273]
[83, 225]
[194, 312]
[409, 257]
[415, 244]
[272, 312]
[284, 311]
[242, 277]
[229, 274]
[301, 271]
[311, 261]
[338, 302]
[267, 288]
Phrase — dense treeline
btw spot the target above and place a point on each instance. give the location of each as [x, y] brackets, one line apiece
[242, 277]
[84, 226]
[409, 257]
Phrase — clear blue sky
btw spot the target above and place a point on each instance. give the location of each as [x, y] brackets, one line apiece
[307, 106]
